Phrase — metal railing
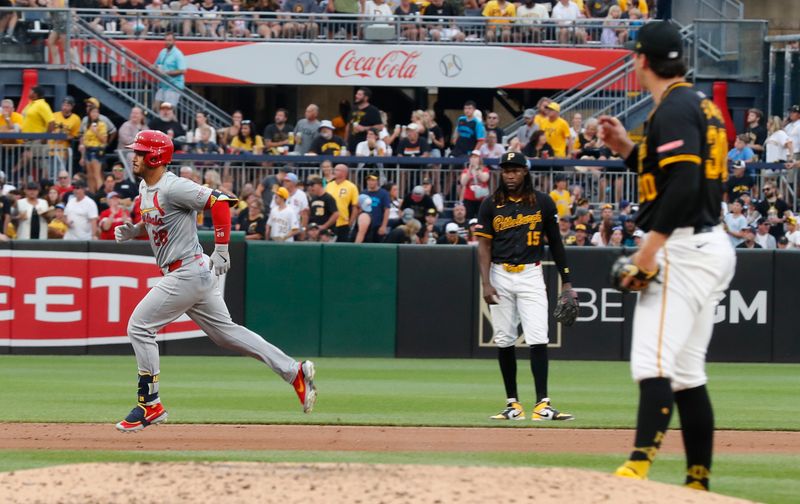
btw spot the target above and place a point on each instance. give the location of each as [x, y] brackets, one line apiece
[784, 60]
[133, 78]
[327, 27]
[686, 11]
[729, 49]
[32, 160]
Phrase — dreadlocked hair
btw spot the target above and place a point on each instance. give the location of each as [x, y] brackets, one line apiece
[528, 196]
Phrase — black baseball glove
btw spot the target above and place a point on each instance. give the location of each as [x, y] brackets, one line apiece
[567, 307]
[627, 277]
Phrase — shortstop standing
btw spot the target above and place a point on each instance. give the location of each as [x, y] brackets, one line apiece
[513, 225]
[169, 207]
[682, 167]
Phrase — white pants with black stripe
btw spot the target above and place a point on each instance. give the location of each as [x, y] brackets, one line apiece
[523, 298]
[674, 317]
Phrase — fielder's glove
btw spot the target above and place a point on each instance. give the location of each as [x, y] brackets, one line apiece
[125, 232]
[220, 259]
[567, 307]
[624, 269]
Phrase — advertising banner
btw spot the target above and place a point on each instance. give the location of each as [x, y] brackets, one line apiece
[329, 64]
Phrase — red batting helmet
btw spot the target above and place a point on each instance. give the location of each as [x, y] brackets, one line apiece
[156, 144]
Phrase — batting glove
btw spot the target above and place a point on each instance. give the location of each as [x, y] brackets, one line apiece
[125, 232]
[220, 259]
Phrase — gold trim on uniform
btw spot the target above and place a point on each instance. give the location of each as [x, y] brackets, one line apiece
[482, 235]
[513, 268]
[692, 158]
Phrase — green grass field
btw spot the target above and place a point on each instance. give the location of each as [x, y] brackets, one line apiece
[396, 392]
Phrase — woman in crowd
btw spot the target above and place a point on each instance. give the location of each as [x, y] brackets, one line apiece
[361, 231]
[408, 14]
[614, 32]
[395, 214]
[112, 217]
[201, 120]
[474, 184]
[230, 132]
[252, 222]
[778, 146]
[93, 145]
[247, 142]
[538, 147]
[52, 197]
[615, 240]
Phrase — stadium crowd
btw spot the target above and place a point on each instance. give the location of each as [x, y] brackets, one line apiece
[417, 20]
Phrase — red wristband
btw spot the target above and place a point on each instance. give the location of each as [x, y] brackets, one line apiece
[221, 218]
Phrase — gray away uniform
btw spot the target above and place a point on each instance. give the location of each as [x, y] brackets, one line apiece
[169, 212]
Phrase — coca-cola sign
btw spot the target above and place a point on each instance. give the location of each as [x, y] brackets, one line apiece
[75, 298]
[394, 64]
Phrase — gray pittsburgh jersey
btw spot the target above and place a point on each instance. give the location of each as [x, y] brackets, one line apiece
[169, 212]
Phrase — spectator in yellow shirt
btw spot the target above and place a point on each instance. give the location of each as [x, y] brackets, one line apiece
[68, 123]
[10, 121]
[561, 196]
[499, 27]
[246, 142]
[37, 117]
[641, 5]
[541, 112]
[556, 129]
[346, 195]
[93, 146]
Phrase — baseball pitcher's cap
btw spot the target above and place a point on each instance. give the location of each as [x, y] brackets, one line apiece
[554, 106]
[283, 193]
[325, 124]
[513, 160]
[795, 108]
[529, 113]
[451, 227]
[662, 40]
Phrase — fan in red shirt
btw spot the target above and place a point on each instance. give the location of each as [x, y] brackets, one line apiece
[112, 216]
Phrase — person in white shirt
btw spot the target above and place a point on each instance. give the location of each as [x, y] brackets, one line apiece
[378, 10]
[4, 188]
[763, 237]
[201, 120]
[491, 149]
[530, 12]
[81, 214]
[735, 222]
[371, 146]
[793, 130]
[283, 223]
[778, 145]
[298, 200]
[792, 234]
[30, 209]
[567, 12]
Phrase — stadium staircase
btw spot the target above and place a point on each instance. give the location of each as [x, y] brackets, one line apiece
[613, 90]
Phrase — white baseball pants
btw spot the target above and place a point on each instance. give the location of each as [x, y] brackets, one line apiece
[523, 298]
[674, 319]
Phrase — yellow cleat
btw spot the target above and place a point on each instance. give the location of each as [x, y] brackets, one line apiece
[633, 470]
[512, 411]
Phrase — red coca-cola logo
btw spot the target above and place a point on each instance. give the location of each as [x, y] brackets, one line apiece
[396, 64]
[75, 298]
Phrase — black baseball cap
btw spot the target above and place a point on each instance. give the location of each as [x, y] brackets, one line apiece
[69, 99]
[79, 184]
[32, 185]
[795, 108]
[513, 160]
[659, 39]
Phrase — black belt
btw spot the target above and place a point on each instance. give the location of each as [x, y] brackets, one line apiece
[703, 229]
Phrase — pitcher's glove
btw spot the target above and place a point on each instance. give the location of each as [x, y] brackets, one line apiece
[627, 277]
[566, 307]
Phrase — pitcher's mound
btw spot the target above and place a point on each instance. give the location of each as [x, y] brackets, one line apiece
[243, 482]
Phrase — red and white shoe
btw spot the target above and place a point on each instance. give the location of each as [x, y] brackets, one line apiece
[304, 386]
[141, 416]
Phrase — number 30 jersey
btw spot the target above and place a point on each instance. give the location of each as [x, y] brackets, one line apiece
[682, 162]
[169, 213]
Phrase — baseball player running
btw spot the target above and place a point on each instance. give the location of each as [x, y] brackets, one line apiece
[682, 170]
[512, 227]
[169, 207]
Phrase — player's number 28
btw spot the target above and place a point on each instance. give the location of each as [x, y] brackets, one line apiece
[160, 237]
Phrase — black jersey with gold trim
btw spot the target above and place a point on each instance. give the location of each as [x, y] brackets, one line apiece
[685, 132]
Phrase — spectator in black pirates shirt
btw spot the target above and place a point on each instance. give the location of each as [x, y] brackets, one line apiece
[451, 236]
[430, 232]
[419, 202]
[326, 143]
[757, 131]
[749, 239]
[276, 135]
[774, 209]
[492, 118]
[363, 117]
[460, 219]
[739, 182]
[413, 145]
[322, 208]
[125, 187]
[252, 222]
